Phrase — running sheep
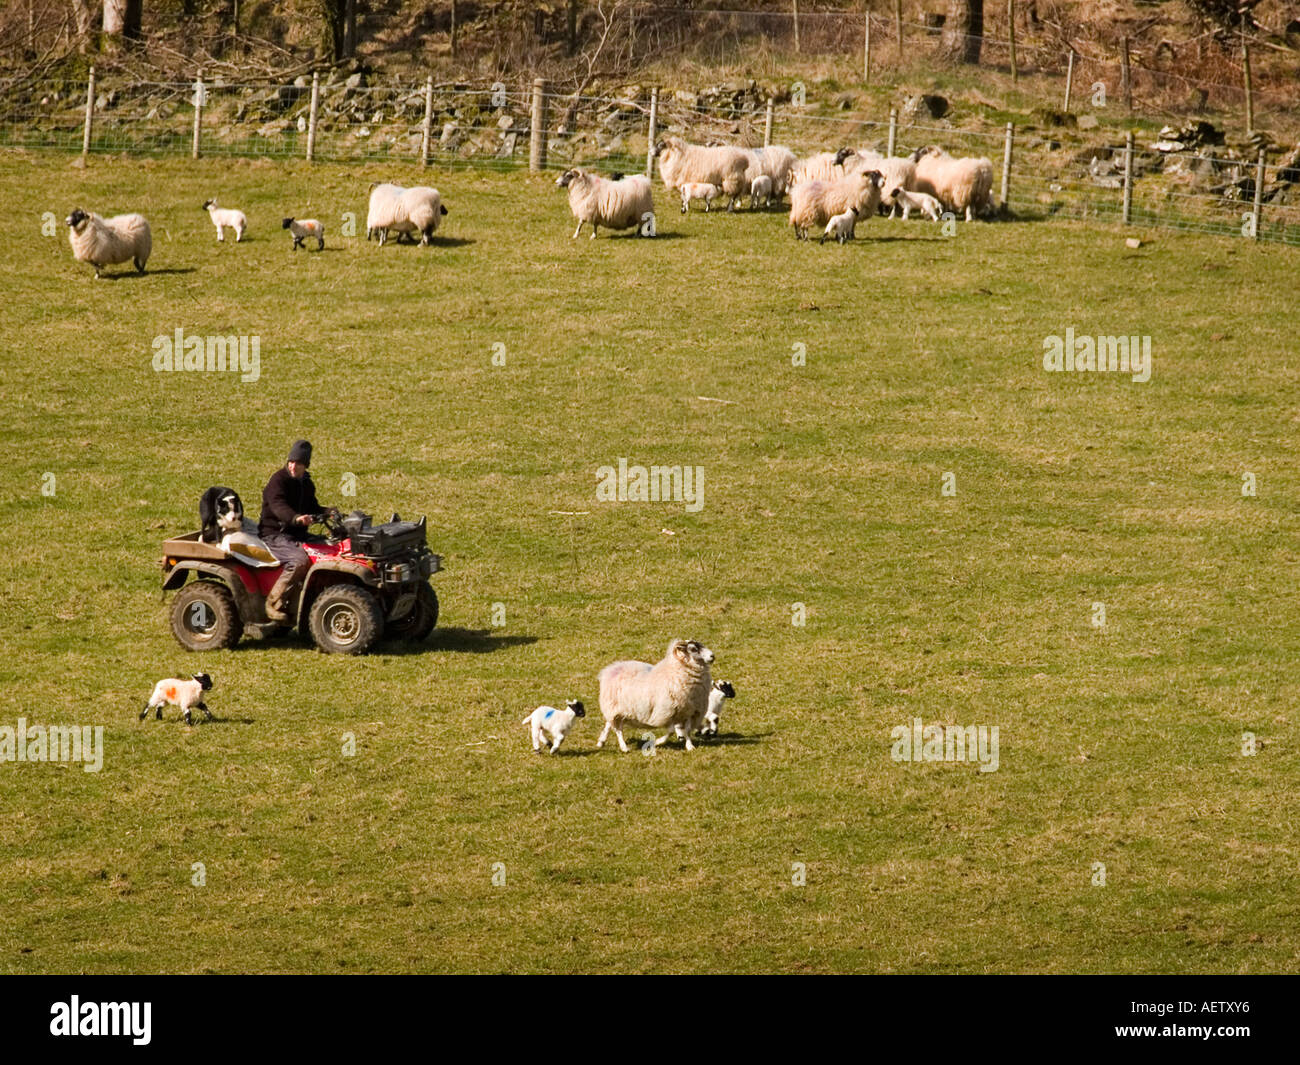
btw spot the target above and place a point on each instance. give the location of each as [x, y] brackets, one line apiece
[305, 229]
[814, 203]
[961, 184]
[108, 241]
[673, 693]
[187, 694]
[596, 200]
[726, 167]
[226, 216]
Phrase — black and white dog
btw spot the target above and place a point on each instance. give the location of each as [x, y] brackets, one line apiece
[221, 511]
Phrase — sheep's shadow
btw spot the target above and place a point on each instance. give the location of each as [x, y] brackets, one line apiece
[570, 752]
[734, 739]
[135, 274]
[436, 242]
[217, 719]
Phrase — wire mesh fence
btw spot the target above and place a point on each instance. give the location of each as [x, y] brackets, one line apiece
[1195, 183]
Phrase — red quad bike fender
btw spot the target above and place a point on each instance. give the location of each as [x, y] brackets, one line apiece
[247, 585]
[331, 564]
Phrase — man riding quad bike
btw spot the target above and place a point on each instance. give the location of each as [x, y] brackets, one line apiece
[351, 588]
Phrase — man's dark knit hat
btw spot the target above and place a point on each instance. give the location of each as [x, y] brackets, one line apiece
[300, 452]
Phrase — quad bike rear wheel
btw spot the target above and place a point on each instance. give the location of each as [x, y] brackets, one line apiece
[414, 614]
[204, 617]
[346, 620]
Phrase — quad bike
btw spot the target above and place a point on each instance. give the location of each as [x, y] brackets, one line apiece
[362, 581]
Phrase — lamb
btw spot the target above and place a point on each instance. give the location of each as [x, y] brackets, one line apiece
[108, 241]
[726, 167]
[775, 162]
[304, 229]
[404, 211]
[718, 694]
[814, 203]
[962, 184]
[896, 170]
[546, 720]
[760, 189]
[824, 166]
[613, 204]
[698, 190]
[670, 694]
[915, 201]
[186, 694]
[841, 226]
[226, 216]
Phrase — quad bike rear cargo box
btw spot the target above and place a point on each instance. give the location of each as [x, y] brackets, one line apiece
[191, 545]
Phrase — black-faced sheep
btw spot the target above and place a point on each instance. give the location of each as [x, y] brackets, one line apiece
[726, 167]
[961, 184]
[596, 200]
[670, 694]
[814, 203]
[124, 238]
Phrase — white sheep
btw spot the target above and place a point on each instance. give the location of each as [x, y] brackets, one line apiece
[962, 184]
[896, 171]
[824, 166]
[226, 216]
[724, 166]
[404, 211]
[546, 721]
[305, 229]
[670, 694]
[814, 203]
[613, 204]
[718, 694]
[841, 226]
[915, 201]
[698, 190]
[760, 189]
[107, 241]
[775, 162]
[186, 694]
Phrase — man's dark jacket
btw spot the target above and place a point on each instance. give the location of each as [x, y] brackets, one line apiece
[283, 499]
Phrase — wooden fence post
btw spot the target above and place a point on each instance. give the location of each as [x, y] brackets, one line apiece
[1126, 77]
[1245, 75]
[796, 24]
[1069, 82]
[427, 131]
[1128, 177]
[90, 114]
[199, 93]
[1011, 34]
[1259, 191]
[893, 130]
[312, 116]
[866, 49]
[537, 136]
[767, 124]
[652, 133]
[898, 25]
[1006, 165]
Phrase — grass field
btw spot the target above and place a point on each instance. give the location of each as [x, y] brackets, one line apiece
[1120, 745]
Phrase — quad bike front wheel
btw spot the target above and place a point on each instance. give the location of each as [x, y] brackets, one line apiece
[346, 620]
[414, 614]
[204, 617]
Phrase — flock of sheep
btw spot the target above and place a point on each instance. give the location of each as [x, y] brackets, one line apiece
[830, 191]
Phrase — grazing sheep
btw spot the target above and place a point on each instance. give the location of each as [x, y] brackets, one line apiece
[961, 184]
[186, 694]
[404, 211]
[613, 204]
[698, 190]
[726, 167]
[226, 216]
[304, 228]
[895, 170]
[548, 721]
[814, 203]
[108, 241]
[775, 162]
[824, 166]
[760, 189]
[382, 208]
[670, 694]
[841, 226]
[718, 694]
[915, 201]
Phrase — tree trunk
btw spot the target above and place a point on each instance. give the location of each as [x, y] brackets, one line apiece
[963, 30]
[83, 18]
[350, 29]
[122, 18]
[572, 27]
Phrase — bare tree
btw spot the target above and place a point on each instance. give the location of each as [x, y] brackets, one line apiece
[963, 30]
[590, 58]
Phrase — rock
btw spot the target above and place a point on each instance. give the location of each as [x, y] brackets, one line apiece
[354, 81]
[508, 143]
[689, 99]
[451, 136]
[925, 106]
[1132, 242]
[505, 122]
[302, 81]
[302, 124]
[79, 163]
[1087, 122]
[844, 101]
[1046, 116]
